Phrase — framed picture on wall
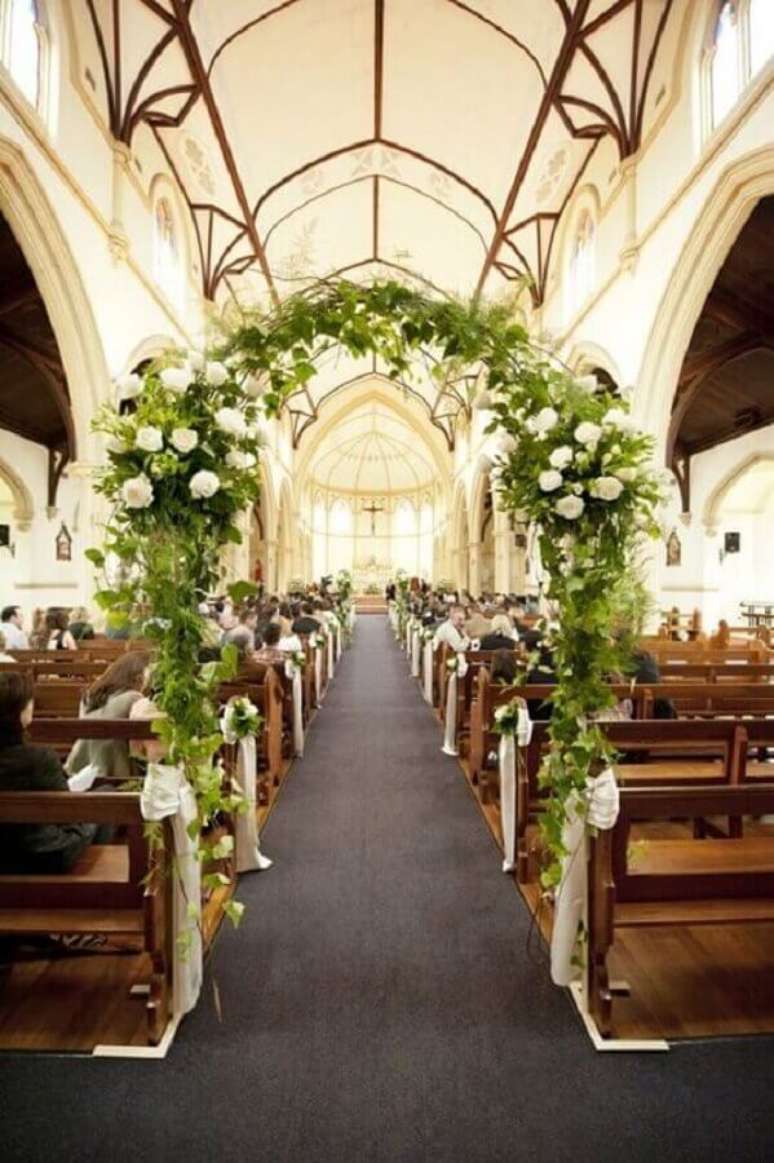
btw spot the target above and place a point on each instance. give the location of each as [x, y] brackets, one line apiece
[674, 550]
[64, 544]
[732, 542]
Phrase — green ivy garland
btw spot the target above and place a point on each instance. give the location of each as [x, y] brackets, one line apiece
[182, 468]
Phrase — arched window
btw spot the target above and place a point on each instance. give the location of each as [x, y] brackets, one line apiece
[725, 80]
[167, 268]
[761, 19]
[581, 268]
[23, 42]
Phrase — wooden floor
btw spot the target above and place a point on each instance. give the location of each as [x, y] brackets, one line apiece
[75, 1002]
[693, 982]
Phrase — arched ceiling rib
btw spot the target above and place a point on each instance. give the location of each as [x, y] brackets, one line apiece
[488, 110]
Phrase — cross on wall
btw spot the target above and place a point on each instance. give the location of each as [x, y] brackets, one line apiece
[373, 509]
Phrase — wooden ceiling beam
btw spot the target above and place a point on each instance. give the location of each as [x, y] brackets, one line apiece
[729, 309]
[201, 79]
[18, 293]
[548, 100]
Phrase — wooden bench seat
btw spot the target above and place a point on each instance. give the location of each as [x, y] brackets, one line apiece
[118, 888]
[674, 882]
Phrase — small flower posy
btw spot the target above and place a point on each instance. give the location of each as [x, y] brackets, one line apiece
[241, 718]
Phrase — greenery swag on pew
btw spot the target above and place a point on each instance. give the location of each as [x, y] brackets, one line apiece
[567, 456]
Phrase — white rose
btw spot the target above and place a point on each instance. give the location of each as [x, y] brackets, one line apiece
[561, 457]
[617, 418]
[570, 507]
[116, 445]
[196, 360]
[176, 379]
[184, 440]
[237, 459]
[204, 484]
[546, 419]
[128, 387]
[588, 433]
[254, 387]
[149, 439]
[606, 488]
[216, 373]
[627, 475]
[587, 383]
[231, 421]
[505, 444]
[550, 480]
[137, 493]
[483, 401]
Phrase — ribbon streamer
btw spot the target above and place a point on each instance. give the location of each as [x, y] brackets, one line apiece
[331, 663]
[428, 660]
[450, 719]
[318, 658]
[415, 653]
[246, 841]
[293, 672]
[167, 793]
[507, 766]
[571, 902]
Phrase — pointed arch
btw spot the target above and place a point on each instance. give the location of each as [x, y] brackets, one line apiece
[36, 228]
[718, 495]
[23, 505]
[726, 209]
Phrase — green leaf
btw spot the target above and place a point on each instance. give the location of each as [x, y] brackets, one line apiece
[96, 557]
[232, 534]
[234, 910]
[242, 590]
[106, 599]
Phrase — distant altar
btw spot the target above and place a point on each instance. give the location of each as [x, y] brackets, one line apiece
[370, 573]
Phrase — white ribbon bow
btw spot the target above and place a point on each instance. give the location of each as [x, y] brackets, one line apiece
[167, 793]
[450, 720]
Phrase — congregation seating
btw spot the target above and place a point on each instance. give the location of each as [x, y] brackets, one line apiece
[119, 889]
[674, 882]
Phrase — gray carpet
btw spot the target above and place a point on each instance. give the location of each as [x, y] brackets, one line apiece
[380, 1001]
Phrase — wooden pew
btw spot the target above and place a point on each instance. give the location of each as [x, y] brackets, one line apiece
[58, 698]
[710, 700]
[675, 882]
[112, 889]
[705, 672]
[268, 698]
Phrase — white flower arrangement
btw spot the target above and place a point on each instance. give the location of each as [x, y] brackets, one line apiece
[546, 419]
[216, 373]
[561, 457]
[241, 718]
[588, 434]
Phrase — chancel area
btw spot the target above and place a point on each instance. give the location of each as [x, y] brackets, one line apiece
[386, 579]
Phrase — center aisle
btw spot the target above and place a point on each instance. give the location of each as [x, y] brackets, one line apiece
[380, 1001]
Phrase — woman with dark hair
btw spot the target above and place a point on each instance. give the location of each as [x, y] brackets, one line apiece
[59, 637]
[33, 848]
[112, 696]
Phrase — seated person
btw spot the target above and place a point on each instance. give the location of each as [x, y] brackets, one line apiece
[245, 627]
[112, 696]
[502, 636]
[35, 848]
[307, 622]
[3, 656]
[59, 637]
[269, 653]
[452, 631]
[79, 625]
[505, 667]
[479, 623]
[646, 671]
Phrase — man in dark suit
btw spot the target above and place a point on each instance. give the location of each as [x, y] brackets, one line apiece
[306, 623]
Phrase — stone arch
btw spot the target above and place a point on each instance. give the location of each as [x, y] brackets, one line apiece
[718, 495]
[36, 228]
[459, 538]
[585, 357]
[726, 210]
[24, 508]
[286, 535]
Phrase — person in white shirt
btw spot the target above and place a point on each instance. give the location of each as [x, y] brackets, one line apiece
[11, 626]
[3, 656]
[452, 631]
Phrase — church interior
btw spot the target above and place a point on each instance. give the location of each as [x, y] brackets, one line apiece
[386, 514]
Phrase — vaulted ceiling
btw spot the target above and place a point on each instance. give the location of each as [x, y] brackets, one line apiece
[437, 137]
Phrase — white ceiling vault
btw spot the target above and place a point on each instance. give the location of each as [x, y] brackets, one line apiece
[437, 137]
[371, 450]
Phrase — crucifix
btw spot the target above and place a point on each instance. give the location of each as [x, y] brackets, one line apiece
[373, 509]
